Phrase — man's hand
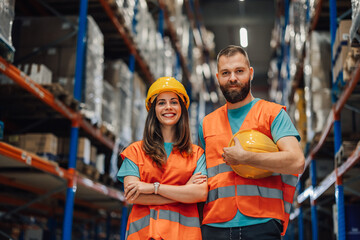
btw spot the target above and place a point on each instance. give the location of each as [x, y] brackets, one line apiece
[234, 155]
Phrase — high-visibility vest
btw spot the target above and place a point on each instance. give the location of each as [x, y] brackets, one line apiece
[269, 197]
[170, 221]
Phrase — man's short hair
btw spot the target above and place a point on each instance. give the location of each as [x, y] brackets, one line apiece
[230, 51]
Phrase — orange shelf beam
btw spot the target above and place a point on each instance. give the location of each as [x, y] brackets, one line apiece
[51, 167]
[33, 160]
[100, 188]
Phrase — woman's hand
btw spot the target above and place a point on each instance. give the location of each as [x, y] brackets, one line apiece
[134, 189]
[197, 178]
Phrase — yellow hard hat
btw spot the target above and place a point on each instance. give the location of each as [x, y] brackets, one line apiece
[253, 141]
[166, 84]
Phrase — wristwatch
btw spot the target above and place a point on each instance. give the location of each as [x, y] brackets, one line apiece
[156, 187]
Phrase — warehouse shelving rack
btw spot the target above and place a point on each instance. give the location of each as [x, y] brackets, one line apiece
[322, 189]
[12, 157]
[57, 178]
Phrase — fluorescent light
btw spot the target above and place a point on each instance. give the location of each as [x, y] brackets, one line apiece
[241, 0]
[243, 37]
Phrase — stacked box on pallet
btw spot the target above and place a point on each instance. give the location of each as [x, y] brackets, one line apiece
[155, 50]
[341, 47]
[317, 79]
[139, 110]
[44, 145]
[119, 76]
[182, 26]
[37, 72]
[109, 101]
[57, 50]
[127, 10]
[7, 13]
[295, 35]
[94, 70]
[158, 57]
[172, 67]
[83, 151]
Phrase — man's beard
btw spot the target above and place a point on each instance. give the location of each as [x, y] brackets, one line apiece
[236, 95]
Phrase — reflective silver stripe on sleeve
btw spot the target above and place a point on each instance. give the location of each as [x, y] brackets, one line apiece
[287, 207]
[141, 223]
[221, 168]
[221, 192]
[253, 190]
[289, 179]
[177, 217]
[153, 213]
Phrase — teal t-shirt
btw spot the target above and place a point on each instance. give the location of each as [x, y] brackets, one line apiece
[129, 168]
[280, 127]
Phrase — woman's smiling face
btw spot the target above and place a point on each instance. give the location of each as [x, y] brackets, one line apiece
[168, 108]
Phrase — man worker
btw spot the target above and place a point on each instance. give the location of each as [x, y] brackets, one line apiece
[238, 207]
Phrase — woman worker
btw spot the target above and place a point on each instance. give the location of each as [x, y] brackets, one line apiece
[164, 175]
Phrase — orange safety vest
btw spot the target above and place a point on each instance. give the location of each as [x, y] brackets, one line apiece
[171, 221]
[269, 197]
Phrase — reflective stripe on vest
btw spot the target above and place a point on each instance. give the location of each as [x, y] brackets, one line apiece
[221, 168]
[287, 207]
[141, 223]
[289, 179]
[164, 215]
[221, 192]
[179, 218]
[254, 190]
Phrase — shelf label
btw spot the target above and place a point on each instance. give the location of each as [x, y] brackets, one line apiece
[2, 66]
[58, 170]
[104, 189]
[30, 83]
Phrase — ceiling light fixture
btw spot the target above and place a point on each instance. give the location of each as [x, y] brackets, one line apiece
[243, 37]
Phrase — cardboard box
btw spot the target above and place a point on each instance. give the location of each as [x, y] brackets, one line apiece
[29, 32]
[83, 153]
[42, 144]
[37, 72]
[100, 163]
[339, 64]
[93, 153]
[342, 35]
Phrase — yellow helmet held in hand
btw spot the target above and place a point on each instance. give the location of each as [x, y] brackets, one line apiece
[166, 84]
[253, 141]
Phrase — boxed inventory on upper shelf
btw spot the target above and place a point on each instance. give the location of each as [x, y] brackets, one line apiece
[7, 13]
[57, 51]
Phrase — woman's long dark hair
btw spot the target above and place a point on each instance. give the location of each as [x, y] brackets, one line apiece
[153, 141]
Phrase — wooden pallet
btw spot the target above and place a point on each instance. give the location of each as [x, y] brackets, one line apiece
[88, 170]
[63, 95]
[107, 132]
